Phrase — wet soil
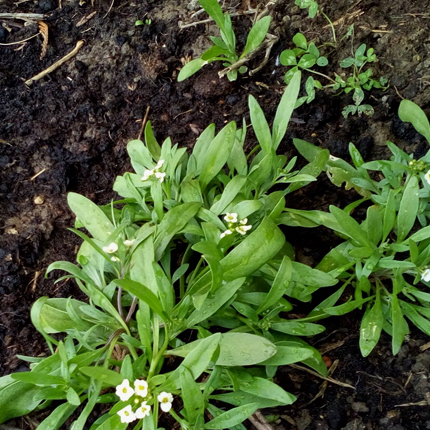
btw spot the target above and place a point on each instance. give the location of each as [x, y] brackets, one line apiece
[69, 130]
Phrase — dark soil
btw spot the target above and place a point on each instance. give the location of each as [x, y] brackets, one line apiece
[69, 130]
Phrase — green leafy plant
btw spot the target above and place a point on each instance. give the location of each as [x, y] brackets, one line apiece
[359, 80]
[303, 57]
[385, 257]
[189, 264]
[224, 48]
[306, 55]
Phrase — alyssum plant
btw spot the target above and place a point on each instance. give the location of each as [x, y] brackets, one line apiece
[386, 257]
[191, 263]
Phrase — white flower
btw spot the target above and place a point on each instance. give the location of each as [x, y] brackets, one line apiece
[127, 415]
[111, 248]
[226, 233]
[129, 243]
[427, 177]
[124, 391]
[243, 221]
[115, 259]
[141, 387]
[425, 276]
[243, 229]
[230, 217]
[147, 174]
[160, 176]
[143, 411]
[165, 400]
[159, 165]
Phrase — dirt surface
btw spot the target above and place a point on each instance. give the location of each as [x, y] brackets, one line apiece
[69, 130]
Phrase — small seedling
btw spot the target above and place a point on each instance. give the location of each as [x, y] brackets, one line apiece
[224, 48]
[311, 5]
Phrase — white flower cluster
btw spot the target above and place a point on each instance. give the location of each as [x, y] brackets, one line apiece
[154, 173]
[234, 224]
[140, 391]
[112, 248]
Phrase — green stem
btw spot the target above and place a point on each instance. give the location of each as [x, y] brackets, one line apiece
[321, 74]
[331, 26]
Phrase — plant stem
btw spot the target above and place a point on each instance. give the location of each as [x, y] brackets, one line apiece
[321, 74]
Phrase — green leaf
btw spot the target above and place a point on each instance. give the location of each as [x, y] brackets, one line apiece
[72, 397]
[280, 283]
[172, 223]
[217, 154]
[91, 216]
[214, 301]
[389, 215]
[191, 68]
[268, 390]
[300, 40]
[197, 361]
[232, 417]
[57, 417]
[256, 35]
[214, 10]
[322, 61]
[140, 156]
[143, 293]
[371, 327]
[109, 377]
[400, 326]
[347, 62]
[351, 227]
[260, 125]
[307, 61]
[232, 189]
[192, 396]
[16, 398]
[288, 58]
[297, 328]
[288, 355]
[420, 235]
[244, 349]
[285, 109]
[113, 423]
[151, 142]
[408, 209]
[411, 112]
[258, 248]
[239, 398]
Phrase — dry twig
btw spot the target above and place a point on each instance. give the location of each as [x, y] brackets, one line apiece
[259, 421]
[23, 16]
[43, 30]
[312, 372]
[142, 127]
[56, 65]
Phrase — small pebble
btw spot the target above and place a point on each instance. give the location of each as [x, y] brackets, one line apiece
[39, 200]
[359, 407]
